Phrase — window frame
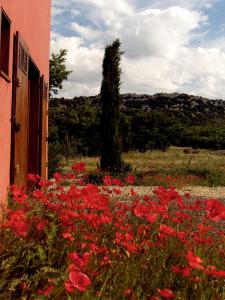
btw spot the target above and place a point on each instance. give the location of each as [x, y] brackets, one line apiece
[2, 12]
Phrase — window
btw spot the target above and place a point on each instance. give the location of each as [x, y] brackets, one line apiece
[4, 45]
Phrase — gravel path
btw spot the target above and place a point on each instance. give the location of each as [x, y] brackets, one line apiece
[195, 191]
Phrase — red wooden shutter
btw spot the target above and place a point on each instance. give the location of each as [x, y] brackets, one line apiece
[20, 119]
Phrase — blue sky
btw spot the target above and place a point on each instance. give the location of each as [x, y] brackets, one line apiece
[170, 45]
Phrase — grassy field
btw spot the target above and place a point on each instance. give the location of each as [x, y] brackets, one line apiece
[173, 167]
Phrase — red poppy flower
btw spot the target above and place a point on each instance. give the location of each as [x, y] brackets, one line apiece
[19, 195]
[128, 293]
[132, 192]
[194, 261]
[80, 261]
[117, 191]
[130, 179]
[203, 229]
[77, 280]
[186, 272]
[176, 269]
[219, 273]
[79, 167]
[117, 182]
[69, 176]
[211, 270]
[41, 225]
[69, 286]
[81, 182]
[46, 291]
[215, 210]
[57, 176]
[68, 236]
[32, 177]
[166, 293]
[141, 210]
[107, 180]
[182, 215]
[17, 223]
[45, 183]
[38, 194]
[167, 229]
[151, 217]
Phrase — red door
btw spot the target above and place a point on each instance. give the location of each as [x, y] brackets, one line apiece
[29, 117]
[34, 128]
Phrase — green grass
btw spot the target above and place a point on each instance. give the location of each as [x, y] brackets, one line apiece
[174, 167]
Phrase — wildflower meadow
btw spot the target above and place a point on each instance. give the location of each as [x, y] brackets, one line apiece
[69, 239]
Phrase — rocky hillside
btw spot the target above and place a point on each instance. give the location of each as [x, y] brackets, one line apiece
[183, 105]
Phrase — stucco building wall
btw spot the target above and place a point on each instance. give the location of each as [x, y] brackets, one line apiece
[32, 19]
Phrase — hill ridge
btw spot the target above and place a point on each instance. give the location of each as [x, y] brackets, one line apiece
[180, 104]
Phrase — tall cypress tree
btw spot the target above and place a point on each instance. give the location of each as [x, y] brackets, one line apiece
[110, 98]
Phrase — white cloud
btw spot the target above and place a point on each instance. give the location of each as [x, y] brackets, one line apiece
[111, 9]
[159, 52]
[60, 7]
[158, 32]
[56, 11]
[72, 89]
[196, 71]
[189, 4]
[85, 63]
[86, 32]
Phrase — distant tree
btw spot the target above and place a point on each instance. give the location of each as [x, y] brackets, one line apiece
[110, 99]
[57, 71]
[57, 74]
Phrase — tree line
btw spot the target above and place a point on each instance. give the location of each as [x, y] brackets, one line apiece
[74, 129]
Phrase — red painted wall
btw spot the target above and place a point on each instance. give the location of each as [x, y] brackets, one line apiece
[32, 19]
